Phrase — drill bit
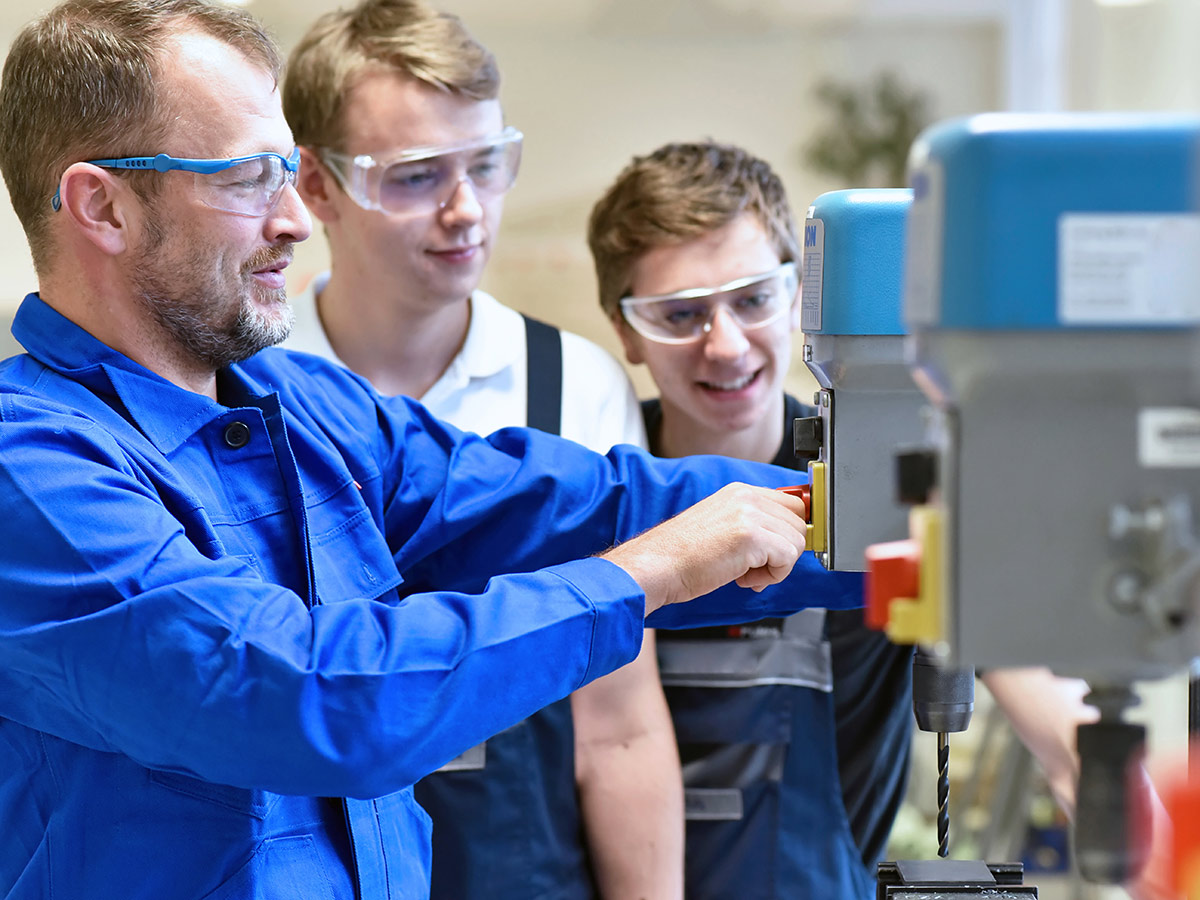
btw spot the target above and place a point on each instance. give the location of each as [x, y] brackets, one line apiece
[943, 791]
[943, 700]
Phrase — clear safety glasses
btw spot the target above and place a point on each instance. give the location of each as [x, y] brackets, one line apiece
[244, 185]
[686, 316]
[424, 179]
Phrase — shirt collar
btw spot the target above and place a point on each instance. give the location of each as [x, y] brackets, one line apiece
[165, 413]
[495, 338]
[494, 342]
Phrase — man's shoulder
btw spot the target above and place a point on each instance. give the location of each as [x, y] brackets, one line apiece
[46, 414]
[28, 384]
[297, 373]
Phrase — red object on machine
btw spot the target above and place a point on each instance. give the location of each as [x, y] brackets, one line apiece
[893, 570]
[804, 492]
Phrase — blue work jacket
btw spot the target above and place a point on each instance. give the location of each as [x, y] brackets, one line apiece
[234, 633]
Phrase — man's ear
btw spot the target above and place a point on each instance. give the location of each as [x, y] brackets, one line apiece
[630, 339]
[96, 202]
[316, 186]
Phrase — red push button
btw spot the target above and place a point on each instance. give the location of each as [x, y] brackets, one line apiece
[804, 492]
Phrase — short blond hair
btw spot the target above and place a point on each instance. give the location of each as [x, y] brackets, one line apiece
[676, 194]
[405, 36]
[84, 82]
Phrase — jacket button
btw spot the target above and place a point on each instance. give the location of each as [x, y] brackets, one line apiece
[237, 435]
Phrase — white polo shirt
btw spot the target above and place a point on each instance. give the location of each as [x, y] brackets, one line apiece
[484, 387]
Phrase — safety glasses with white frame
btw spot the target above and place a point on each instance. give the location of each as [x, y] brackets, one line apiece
[422, 180]
[682, 317]
[243, 185]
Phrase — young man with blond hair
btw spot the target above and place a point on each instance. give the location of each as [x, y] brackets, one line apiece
[406, 160]
[794, 733]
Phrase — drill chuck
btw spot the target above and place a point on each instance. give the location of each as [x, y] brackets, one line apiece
[943, 697]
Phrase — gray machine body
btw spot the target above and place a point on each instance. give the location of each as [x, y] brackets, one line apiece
[1070, 539]
[869, 405]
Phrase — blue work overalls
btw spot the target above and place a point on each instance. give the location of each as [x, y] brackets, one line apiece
[754, 717]
[753, 713]
[506, 820]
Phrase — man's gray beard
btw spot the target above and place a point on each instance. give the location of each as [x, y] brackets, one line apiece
[210, 343]
[213, 346]
[185, 318]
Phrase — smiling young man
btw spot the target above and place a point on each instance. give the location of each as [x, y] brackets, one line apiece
[794, 733]
[406, 163]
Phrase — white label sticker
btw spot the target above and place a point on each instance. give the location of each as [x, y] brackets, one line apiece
[923, 240]
[814, 273]
[1129, 269]
[1169, 437]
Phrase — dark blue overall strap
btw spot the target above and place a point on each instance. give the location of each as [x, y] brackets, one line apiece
[543, 376]
[507, 824]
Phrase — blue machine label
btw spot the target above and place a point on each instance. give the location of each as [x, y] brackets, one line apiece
[1129, 269]
[1169, 437]
[814, 268]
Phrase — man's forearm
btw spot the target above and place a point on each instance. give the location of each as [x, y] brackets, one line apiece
[1044, 711]
[631, 790]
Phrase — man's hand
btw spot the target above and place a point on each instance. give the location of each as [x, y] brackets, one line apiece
[750, 535]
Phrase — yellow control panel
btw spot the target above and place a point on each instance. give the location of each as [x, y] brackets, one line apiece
[818, 530]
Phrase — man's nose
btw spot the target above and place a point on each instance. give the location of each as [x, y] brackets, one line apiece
[724, 338]
[288, 219]
[462, 207]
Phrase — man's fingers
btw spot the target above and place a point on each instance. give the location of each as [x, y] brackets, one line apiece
[751, 535]
[797, 493]
[777, 555]
[763, 576]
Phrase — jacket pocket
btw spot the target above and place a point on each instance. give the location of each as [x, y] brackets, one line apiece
[251, 803]
[287, 867]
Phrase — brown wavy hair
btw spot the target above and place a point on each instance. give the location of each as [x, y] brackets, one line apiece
[678, 193]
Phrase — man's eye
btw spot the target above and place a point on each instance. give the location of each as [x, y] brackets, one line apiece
[484, 171]
[683, 315]
[756, 300]
[248, 176]
[411, 179]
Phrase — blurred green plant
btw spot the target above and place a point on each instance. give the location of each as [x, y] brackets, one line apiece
[871, 129]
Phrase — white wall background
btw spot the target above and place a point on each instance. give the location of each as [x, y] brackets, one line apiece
[593, 82]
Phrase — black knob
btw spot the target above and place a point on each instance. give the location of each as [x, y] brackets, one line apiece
[916, 475]
[1112, 822]
[807, 436]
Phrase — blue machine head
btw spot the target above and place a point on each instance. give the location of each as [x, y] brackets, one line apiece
[1051, 221]
[853, 261]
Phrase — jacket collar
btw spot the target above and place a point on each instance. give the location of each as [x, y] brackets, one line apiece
[165, 413]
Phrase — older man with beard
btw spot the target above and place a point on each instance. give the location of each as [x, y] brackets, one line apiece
[245, 602]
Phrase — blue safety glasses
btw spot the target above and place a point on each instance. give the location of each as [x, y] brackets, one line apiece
[244, 185]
